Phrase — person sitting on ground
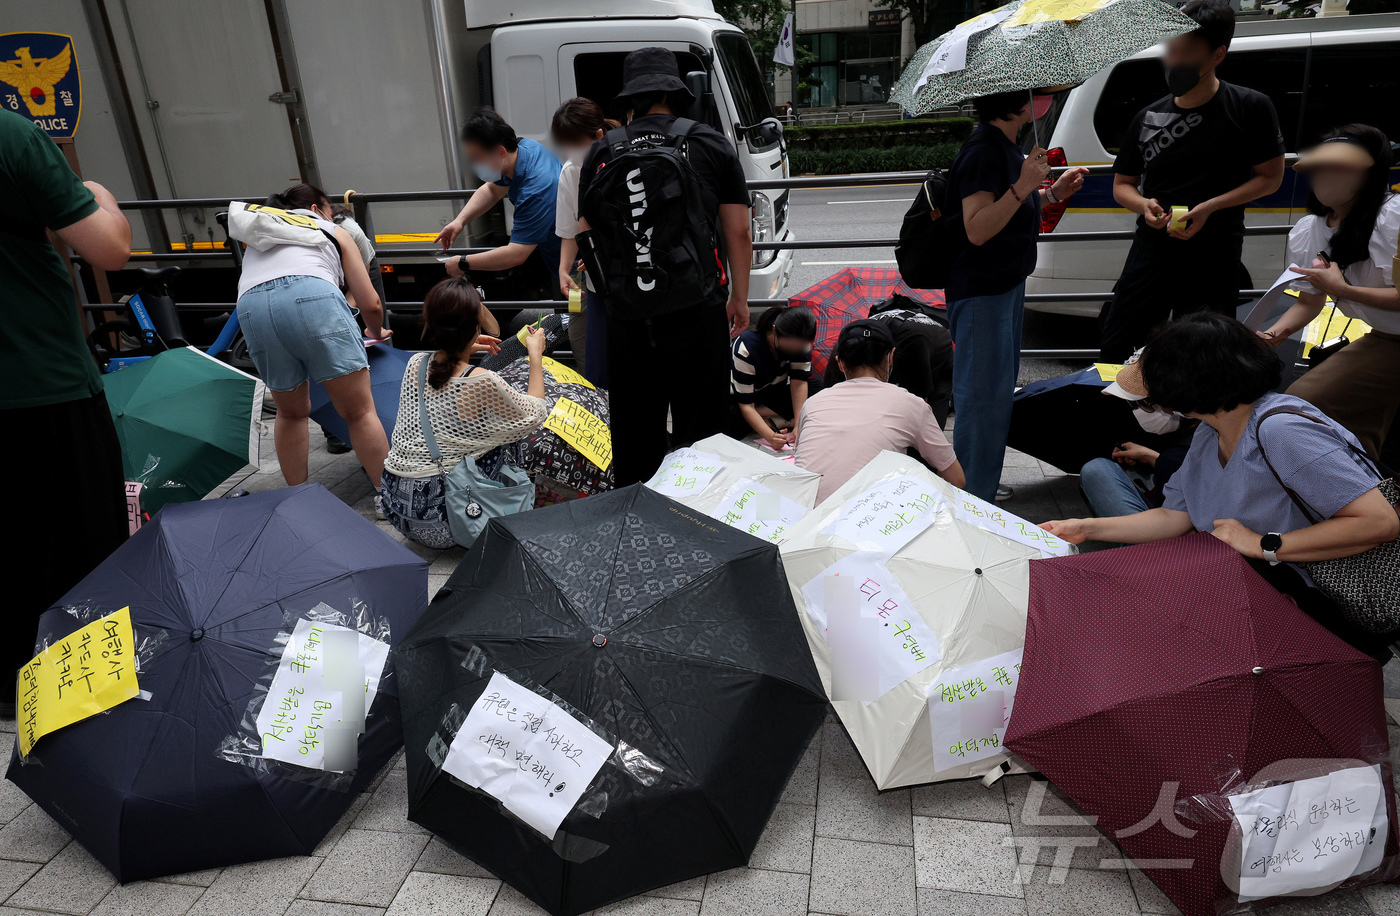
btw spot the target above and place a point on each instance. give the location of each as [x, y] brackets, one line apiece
[472, 411]
[844, 427]
[923, 354]
[299, 327]
[1133, 478]
[1355, 218]
[772, 375]
[1232, 484]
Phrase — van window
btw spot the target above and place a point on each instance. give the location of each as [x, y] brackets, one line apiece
[598, 76]
[1135, 84]
[746, 83]
[1353, 84]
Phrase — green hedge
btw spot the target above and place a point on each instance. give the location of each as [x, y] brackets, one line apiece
[879, 134]
[902, 158]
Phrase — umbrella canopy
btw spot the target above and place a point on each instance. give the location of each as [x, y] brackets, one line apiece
[1068, 420]
[847, 295]
[673, 634]
[924, 554]
[186, 422]
[556, 332]
[731, 481]
[1172, 664]
[386, 368]
[548, 450]
[1032, 44]
[212, 585]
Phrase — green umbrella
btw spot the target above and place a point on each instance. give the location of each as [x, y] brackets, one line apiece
[1032, 44]
[187, 423]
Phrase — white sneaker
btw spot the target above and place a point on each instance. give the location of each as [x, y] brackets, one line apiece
[379, 508]
[1004, 493]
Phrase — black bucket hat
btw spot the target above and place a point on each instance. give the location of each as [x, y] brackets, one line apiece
[651, 70]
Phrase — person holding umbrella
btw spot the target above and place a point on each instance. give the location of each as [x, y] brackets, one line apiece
[1232, 483]
[994, 194]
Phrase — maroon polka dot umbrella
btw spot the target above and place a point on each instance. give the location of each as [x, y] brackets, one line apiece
[848, 295]
[1175, 663]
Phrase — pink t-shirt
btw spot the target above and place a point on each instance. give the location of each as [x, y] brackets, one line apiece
[845, 426]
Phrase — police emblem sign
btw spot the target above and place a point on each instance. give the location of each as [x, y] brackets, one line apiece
[39, 80]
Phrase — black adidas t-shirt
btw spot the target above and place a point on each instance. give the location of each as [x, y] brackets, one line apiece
[1187, 155]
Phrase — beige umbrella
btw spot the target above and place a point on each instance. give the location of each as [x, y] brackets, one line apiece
[941, 583]
[739, 485]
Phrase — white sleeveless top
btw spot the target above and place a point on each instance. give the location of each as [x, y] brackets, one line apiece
[321, 261]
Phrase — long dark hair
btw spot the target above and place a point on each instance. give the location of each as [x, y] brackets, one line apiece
[301, 196]
[1352, 241]
[790, 321]
[451, 323]
[579, 119]
[1204, 362]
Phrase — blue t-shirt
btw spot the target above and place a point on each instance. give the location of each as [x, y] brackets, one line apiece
[990, 162]
[533, 190]
[1312, 458]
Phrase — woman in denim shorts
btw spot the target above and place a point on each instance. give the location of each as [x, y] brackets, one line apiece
[299, 326]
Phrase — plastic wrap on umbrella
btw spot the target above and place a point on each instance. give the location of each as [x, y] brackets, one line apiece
[848, 295]
[544, 451]
[941, 580]
[556, 332]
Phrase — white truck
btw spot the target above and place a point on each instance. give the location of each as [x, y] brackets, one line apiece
[243, 97]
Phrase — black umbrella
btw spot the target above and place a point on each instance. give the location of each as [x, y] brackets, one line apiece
[675, 634]
[1068, 421]
[211, 585]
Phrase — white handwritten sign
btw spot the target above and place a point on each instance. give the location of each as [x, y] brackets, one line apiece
[951, 55]
[307, 717]
[761, 511]
[1311, 834]
[889, 514]
[685, 472]
[528, 753]
[968, 709]
[903, 641]
[984, 515]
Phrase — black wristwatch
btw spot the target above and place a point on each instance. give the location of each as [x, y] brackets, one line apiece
[1270, 544]
[462, 264]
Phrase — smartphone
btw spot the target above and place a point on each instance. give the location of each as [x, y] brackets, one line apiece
[1322, 256]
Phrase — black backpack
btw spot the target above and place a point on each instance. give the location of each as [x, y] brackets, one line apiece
[927, 244]
[654, 230]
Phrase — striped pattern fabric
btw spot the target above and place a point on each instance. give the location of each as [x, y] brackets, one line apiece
[755, 368]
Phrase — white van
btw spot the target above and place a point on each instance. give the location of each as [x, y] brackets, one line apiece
[1320, 73]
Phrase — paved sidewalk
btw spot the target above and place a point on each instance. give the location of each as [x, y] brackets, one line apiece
[834, 845]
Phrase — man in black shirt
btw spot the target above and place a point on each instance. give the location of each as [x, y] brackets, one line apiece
[1209, 146]
[677, 360]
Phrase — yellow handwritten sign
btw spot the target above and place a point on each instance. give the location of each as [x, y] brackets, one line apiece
[1108, 371]
[577, 425]
[80, 675]
[1052, 10]
[1328, 324]
[564, 375]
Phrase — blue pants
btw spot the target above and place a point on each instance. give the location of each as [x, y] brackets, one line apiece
[987, 336]
[1110, 490]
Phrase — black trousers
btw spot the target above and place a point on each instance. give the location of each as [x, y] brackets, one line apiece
[677, 362]
[1164, 276]
[76, 513]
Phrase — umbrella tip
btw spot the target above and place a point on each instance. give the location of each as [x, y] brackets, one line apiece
[1258, 670]
[599, 640]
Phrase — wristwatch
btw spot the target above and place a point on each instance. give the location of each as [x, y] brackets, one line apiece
[1269, 544]
[462, 263]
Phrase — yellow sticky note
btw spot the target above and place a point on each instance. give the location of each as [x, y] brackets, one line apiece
[579, 427]
[564, 374]
[1108, 371]
[80, 675]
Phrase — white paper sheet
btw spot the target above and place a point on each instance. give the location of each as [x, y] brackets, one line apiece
[760, 510]
[686, 472]
[1311, 834]
[528, 753]
[888, 515]
[969, 707]
[1272, 298]
[951, 55]
[302, 705]
[904, 642]
[985, 515]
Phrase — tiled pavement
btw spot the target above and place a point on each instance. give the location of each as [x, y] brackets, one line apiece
[833, 846]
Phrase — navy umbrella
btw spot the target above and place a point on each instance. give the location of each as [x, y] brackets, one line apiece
[386, 368]
[211, 586]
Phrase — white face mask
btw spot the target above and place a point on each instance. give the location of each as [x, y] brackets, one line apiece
[1334, 187]
[1158, 422]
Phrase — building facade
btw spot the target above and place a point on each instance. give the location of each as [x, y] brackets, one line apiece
[860, 50]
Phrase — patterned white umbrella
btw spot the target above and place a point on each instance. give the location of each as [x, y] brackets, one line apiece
[941, 580]
[1032, 44]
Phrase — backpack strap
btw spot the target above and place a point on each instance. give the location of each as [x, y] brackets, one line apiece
[618, 138]
[423, 421]
[681, 128]
[1297, 501]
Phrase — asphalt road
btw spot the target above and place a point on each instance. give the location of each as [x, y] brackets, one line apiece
[875, 212]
